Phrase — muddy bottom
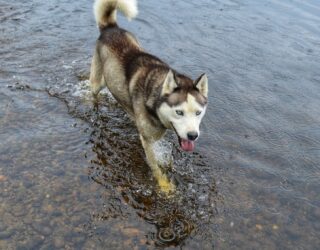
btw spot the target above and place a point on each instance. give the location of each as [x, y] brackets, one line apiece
[73, 173]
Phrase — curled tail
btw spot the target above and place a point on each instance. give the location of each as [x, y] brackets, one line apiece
[105, 11]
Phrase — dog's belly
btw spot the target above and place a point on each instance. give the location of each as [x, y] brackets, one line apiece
[122, 97]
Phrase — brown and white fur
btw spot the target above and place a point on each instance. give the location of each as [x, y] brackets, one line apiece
[154, 95]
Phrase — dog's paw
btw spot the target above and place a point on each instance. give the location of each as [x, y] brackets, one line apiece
[165, 184]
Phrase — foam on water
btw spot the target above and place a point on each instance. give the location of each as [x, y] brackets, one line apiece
[163, 151]
[82, 90]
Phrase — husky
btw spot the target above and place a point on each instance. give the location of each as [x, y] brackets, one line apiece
[154, 95]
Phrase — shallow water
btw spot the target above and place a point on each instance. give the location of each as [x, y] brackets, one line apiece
[73, 175]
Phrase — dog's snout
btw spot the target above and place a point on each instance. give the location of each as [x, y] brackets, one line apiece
[192, 135]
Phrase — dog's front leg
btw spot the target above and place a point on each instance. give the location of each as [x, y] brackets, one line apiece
[161, 178]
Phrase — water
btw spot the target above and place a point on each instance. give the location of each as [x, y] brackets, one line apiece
[73, 175]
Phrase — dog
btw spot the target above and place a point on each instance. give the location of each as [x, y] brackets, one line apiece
[154, 95]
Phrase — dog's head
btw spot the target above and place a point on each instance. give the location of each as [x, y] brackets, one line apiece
[183, 106]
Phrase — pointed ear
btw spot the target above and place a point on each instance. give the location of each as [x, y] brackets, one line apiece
[202, 84]
[169, 84]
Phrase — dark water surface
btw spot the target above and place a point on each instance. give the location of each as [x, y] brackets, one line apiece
[73, 175]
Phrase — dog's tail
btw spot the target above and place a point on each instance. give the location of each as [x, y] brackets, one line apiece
[105, 11]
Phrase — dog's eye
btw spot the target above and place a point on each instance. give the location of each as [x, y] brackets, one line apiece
[198, 112]
[179, 112]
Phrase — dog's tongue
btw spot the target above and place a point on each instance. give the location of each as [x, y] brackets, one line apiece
[187, 145]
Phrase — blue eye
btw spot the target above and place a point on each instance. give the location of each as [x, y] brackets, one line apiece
[179, 112]
[198, 112]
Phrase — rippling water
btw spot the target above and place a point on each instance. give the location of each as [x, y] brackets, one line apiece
[73, 175]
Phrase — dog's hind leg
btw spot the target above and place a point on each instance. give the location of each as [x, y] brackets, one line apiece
[97, 81]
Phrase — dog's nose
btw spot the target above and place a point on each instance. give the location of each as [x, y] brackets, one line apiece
[192, 135]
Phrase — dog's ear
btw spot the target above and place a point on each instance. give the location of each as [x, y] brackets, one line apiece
[169, 84]
[202, 84]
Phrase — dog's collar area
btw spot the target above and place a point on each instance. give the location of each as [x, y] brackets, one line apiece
[154, 117]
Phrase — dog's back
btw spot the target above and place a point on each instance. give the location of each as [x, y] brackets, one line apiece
[112, 48]
[118, 56]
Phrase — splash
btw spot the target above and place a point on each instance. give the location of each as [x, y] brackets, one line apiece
[82, 90]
